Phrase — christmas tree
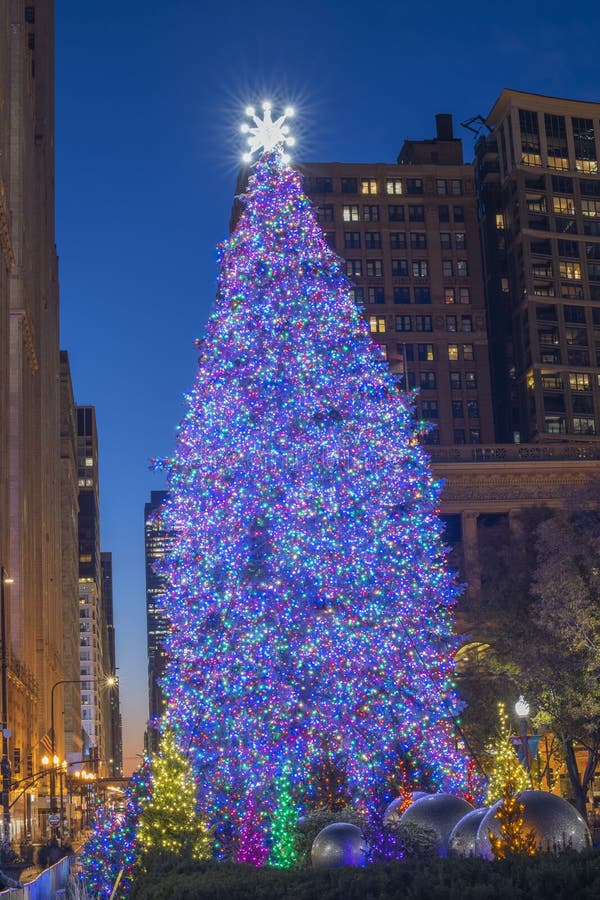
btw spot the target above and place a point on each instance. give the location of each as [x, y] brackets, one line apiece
[506, 767]
[512, 838]
[169, 823]
[283, 827]
[112, 847]
[308, 597]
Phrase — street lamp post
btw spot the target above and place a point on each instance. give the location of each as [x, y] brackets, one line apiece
[110, 682]
[55, 760]
[522, 710]
[5, 764]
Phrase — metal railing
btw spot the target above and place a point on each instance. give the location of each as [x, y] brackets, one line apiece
[49, 885]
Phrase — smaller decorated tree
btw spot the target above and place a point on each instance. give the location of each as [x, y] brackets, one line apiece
[283, 828]
[169, 823]
[506, 767]
[112, 847]
[513, 839]
[251, 842]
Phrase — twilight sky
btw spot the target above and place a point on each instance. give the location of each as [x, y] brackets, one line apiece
[149, 99]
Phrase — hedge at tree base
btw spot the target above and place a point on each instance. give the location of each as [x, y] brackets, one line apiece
[571, 875]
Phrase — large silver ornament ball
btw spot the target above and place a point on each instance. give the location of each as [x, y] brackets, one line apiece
[393, 810]
[464, 834]
[439, 813]
[340, 844]
[555, 822]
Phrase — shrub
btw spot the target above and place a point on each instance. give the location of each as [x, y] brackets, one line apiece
[543, 877]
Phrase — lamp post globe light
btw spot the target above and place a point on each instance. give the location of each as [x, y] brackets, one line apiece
[522, 710]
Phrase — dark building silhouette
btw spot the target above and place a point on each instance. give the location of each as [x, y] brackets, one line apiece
[112, 705]
[157, 542]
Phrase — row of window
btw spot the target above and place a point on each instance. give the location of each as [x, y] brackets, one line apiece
[573, 335]
[395, 213]
[567, 290]
[575, 357]
[428, 352]
[563, 225]
[430, 409]
[323, 184]
[402, 295]
[557, 143]
[569, 249]
[378, 325]
[561, 184]
[580, 425]
[417, 268]
[577, 381]
[557, 403]
[563, 206]
[567, 270]
[428, 381]
[548, 312]
[459, 435]
[417, 240]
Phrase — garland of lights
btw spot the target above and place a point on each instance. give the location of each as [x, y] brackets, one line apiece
[308, 596]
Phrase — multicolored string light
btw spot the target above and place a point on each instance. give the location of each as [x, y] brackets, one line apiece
[505, 762]
[309, 598]
[168, 822]
[113, 845]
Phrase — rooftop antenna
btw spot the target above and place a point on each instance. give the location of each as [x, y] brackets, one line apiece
[475, 124]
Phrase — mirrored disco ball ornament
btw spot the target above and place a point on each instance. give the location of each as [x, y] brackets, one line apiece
[556, 824]
[464, 834]
[393, 810]
[339, 844]
[439, 813]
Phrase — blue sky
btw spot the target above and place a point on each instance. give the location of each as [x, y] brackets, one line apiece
[149, 99]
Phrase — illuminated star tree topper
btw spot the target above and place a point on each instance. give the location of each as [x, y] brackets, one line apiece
[267, 134]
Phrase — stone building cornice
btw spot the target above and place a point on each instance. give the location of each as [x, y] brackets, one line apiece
[510, 476]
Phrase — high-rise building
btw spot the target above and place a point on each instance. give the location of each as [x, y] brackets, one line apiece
[112, 704]
[93, 641]
[30, 426]
[68, 696]
[539, 186]
[157, 542]
[408, 233]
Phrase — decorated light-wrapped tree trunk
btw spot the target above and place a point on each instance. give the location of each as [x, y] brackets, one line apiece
[308, 597]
